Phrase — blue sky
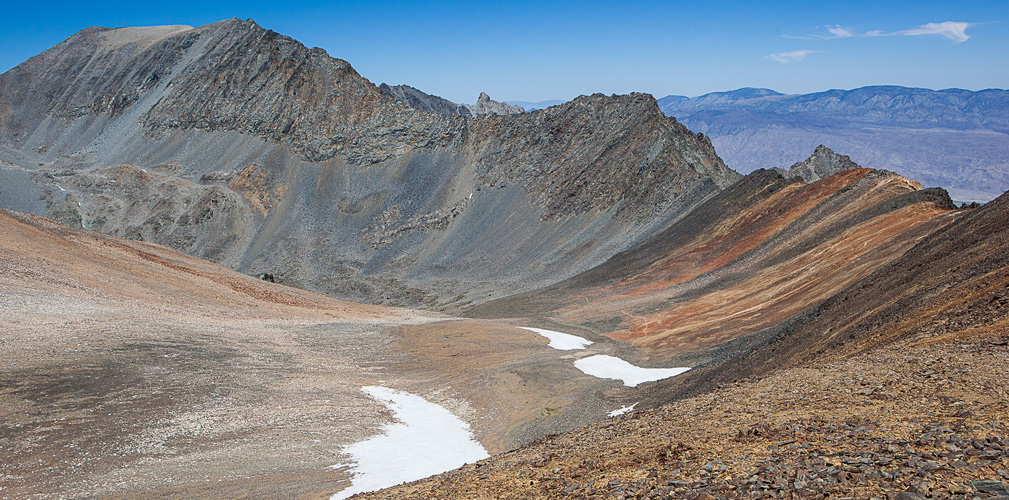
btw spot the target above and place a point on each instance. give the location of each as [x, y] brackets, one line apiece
[533, 51]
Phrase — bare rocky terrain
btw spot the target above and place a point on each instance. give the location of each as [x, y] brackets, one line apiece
[237, 144]
[747, 260]
[182, 194]
[910, 422]
[132, 370]
[893, 388]
[421, 101]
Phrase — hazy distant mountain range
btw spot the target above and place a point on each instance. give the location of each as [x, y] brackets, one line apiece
[954, 138]
[533, 106]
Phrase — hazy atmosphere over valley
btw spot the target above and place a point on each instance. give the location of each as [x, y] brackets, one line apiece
[504, 250]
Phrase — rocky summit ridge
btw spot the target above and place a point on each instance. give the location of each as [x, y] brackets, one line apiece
[419, 100]
[241, 145]
[822, 163]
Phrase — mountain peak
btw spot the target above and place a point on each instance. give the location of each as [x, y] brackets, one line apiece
[485, 105]
[822, 163]
[421, 101]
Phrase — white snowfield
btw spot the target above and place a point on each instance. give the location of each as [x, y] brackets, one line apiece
[429, 440]
[604, 366]
[561, 341]
[426, 440]
[622, 410]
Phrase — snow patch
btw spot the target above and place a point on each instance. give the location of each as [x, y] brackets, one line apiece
[604, 366]
[622, 410]
[426, 440]
[561, 341]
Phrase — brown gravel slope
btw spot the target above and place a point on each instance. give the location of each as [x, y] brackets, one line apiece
[929, 421]
[894, 388]
[748, 259]
[128, 369]
[953, 286]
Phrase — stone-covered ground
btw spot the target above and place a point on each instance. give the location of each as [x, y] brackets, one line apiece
[908, 421]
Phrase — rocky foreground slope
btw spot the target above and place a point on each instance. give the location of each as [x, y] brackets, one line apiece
[243, 146]
[131, 370]
[893, 388]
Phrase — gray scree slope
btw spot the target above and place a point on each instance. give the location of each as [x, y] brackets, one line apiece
[243, 146]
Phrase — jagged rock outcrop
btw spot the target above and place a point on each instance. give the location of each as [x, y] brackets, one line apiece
[306, 170]
[422, 101]
[487, 106]
[822, 163]
[624, 137]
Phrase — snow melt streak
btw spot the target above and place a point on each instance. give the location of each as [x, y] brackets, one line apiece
[604, 366]
[426, 440]
[622, 410]
[561, 341]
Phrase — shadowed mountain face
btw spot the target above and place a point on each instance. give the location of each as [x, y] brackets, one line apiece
[953, 138]
[240, 145]
[749, 258]
[421, 101]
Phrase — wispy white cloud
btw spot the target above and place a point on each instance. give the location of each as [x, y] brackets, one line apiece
[793, 56]
[839, 32]
[954, 30]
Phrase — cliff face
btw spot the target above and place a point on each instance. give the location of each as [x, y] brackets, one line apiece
[648, 162]
[234, 143]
